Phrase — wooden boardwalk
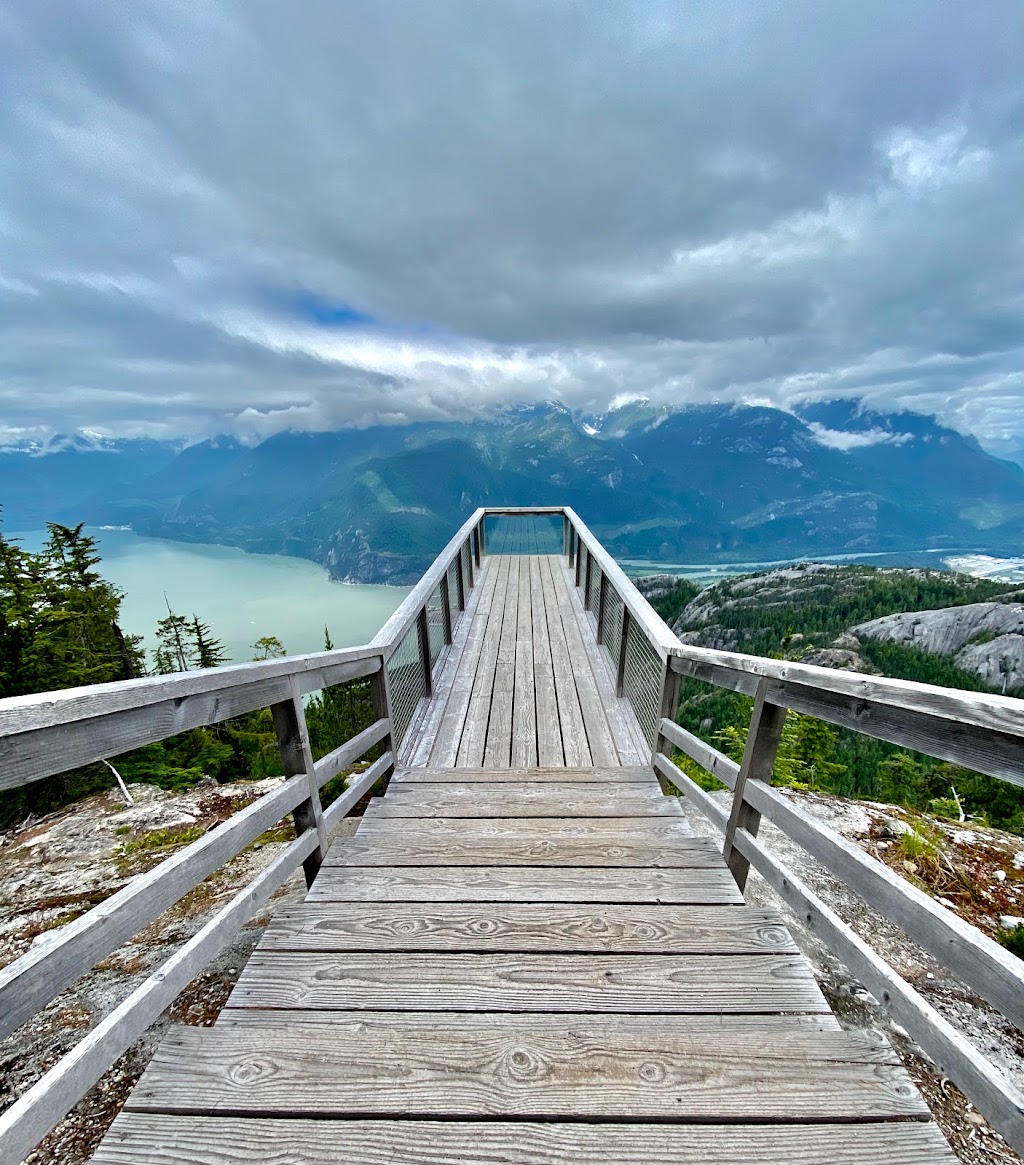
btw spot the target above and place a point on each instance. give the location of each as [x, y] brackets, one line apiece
[523, 955]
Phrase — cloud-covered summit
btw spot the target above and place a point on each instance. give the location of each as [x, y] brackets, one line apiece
[247, 215]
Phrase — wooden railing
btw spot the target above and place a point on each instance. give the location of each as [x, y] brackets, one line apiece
[983, 732]
[43, 735]
[50, 733]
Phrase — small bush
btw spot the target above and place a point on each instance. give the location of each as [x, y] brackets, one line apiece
[1013, 940]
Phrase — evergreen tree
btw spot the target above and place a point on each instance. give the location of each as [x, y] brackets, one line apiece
[205, 651]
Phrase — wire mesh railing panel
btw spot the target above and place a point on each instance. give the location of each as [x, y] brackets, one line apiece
[611, 632]
[453, 590]
[523, 534]
[406, 680]
[581, 568]
[435, 625]
[594, 594]
[641, 680]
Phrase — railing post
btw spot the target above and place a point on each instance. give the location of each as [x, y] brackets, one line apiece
[566, 538]
[580, 551]
[468, 547]
[667, 708]
[423, 635]
[587, 582]
[482, 537]
[763, 739]
[297, 758]
[380, 694]
[602, 600]
[446, 609]
[475, 538]
[573, 543]
[620, 663]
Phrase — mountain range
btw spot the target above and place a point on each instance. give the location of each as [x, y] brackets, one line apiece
[713, 483]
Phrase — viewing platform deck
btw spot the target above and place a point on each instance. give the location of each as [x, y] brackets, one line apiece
[523, 954]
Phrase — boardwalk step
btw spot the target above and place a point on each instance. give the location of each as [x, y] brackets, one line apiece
[555, 800]
[561, 1023]
[537, 851]
[721, 930]
[796, 1076]
[646, 829]
[151, 1139]
[620, 775]
[523, 884]
[693, 984]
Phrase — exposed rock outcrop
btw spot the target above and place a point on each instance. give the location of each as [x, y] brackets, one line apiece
[986, 639]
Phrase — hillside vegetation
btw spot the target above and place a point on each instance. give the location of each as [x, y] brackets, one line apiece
[804, 613]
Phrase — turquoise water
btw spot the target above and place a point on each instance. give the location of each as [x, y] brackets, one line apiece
[242, 596]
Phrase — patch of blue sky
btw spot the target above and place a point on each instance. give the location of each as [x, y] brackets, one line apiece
[328, 313]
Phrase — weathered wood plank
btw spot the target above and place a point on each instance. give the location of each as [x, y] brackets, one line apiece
[641, 829]
[680, 930]
[570, 716]
[449, 733]
[625, 728]
[420, 744]
[153, 712]
[474, 733]
[562, 1023]
[599, 734]
[597, 851]
[523, 801]
[498, 741]
[524, 707]
[550, 750]
[522, 884]
[797, 1077]
[529, 982]
[432, 776]
[154, 1139]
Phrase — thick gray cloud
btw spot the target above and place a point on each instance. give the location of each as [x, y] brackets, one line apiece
[517, 200]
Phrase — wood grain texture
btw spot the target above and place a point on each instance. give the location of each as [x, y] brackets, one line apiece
[498, 739]
[641, 775]
[637, 829]
[522, 884]
[444, 749]
[531, 800]
[561, 1023]
[595, 721]
[550, 750]
[598, 851]
[524, 705]
[154, 1139]
[478, 712]
[723, 930]
[570, 716]
[529, 982]
[798, 1076]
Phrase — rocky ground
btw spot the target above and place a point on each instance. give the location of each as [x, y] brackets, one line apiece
[53, 869]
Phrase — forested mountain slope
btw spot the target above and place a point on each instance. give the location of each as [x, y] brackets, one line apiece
[701, 484]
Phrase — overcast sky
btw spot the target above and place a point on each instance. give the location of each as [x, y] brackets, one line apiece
[248, 215]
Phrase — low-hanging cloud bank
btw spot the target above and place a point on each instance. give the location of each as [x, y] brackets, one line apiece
[244, 215]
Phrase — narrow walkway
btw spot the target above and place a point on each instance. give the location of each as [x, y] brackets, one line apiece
[525, 682]
[525, 967]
